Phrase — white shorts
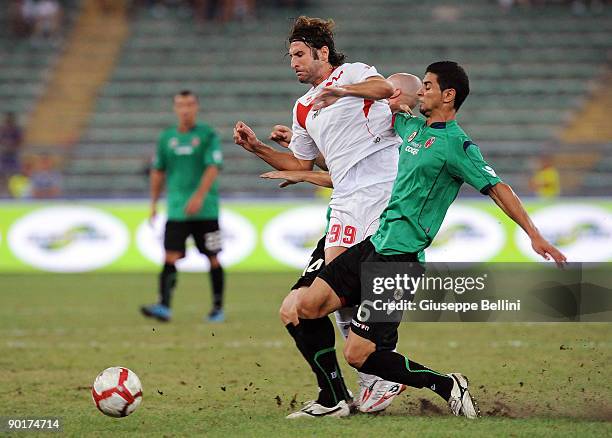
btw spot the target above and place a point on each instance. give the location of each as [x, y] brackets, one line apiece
[355, 217]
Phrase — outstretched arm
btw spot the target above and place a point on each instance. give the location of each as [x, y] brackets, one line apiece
[282, 135]
[373, 88]
[245, 137]
[297, 176]
[506, 199]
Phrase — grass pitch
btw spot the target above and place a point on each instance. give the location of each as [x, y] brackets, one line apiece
[241, 378]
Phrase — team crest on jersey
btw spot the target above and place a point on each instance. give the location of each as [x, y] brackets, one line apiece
[195, 142]
[411, 136]
[430, 142]
[173, 142]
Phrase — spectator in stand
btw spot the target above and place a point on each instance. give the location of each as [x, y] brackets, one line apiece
[46, 180]
[27, 11]
[11, 141]
[19, 185]
[241, 10]
[294, 4]
[17, 22]
[48, 19]
[546, 182]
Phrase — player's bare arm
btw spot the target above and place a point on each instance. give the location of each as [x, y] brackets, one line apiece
[374, 88]
[157, 179]
[282, 135]
[244, 136]
[291, 177]
[197, 199]
[509, 202]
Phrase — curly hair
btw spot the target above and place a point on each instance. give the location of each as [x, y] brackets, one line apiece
[316, 33]
[451, 75]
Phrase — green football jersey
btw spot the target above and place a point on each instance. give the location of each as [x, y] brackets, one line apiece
[184, 156]
[434, 162]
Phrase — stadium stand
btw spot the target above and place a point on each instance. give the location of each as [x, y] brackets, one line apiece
[25, 62]
[532, 70]
[63, 111]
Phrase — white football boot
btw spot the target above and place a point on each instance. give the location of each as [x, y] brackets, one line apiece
[312, 409]
[377, 394]
[460, 401]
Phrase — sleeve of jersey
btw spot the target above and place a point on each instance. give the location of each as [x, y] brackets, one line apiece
[402, 122]
[159, 161]
[359, 72]
[302, 145]
[213, 155]
[468, 164]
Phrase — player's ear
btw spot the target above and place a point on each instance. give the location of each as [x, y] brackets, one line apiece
[324, 54]
[448, 95]
[396, 93]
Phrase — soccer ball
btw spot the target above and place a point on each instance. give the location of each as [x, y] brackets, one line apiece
[117, 392]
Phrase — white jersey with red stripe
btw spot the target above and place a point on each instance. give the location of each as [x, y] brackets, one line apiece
[347, 133]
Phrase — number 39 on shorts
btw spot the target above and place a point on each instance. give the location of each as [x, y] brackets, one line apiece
[337, 232]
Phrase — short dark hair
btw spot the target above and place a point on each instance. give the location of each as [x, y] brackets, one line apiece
[186, 93]
[316, 33]
[451, 75]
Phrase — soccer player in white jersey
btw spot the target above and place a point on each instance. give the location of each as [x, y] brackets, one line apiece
[375, 393]
[360, 148]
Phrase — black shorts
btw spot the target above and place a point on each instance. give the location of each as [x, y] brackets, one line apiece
[314, 266]
[343, 275]
[206, 235]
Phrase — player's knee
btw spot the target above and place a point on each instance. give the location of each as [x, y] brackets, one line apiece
[214, 261]
[356, 355]
[172, 257]
[307, 308]
[288, 312]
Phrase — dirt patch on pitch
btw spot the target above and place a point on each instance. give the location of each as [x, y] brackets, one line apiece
[503, 405]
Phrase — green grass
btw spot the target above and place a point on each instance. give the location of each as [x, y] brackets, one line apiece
[57, 332]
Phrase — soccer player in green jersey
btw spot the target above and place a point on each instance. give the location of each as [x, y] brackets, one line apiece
[188, 160]
[436, 158]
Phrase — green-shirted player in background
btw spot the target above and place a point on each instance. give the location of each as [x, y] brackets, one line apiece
[436, 158]
[188, 159]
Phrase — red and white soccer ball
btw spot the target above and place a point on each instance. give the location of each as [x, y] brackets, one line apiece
[117, 392]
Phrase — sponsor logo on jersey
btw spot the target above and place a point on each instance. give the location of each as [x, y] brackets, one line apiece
[184, 150]
[429, 142]
[582, 232]
[490, 171]
[68, 239]
[411, 136]
[315, 114]
[413, 150]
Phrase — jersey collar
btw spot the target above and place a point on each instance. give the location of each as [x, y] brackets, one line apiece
[442, 125]
[326, 78]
